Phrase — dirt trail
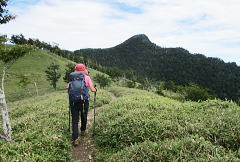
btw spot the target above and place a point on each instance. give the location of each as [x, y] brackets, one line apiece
[83, 152]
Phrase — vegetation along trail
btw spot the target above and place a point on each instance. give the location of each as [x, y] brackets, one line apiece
[83, 152]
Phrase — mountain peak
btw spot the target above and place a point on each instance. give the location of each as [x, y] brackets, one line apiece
[142, 37]
[137, 39]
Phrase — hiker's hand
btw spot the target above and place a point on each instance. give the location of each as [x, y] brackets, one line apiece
[95, 86]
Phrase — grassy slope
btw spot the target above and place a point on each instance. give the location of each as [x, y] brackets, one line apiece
[39, 128]
[33, 66]
[142, 126]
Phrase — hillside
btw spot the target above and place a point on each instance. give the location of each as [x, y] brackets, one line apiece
[32, 66]
[163, 64]
[142, 126]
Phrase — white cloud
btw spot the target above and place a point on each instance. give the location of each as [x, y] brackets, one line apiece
[207, 26]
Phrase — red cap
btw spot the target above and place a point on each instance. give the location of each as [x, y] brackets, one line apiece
[81, 68]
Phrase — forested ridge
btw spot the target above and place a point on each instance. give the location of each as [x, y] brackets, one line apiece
[147, 59]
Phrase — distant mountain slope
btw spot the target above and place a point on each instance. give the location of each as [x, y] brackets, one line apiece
[147, 59]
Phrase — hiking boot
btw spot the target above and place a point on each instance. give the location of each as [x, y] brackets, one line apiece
[76, 142]
[83, 133]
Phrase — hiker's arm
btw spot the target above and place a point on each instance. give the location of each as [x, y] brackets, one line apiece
[92, 88]
[67, 86]
[90, 84]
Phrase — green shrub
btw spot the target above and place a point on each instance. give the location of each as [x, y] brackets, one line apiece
[123, 91]
[141, 116]
[185, 149]
[102, 79]
[160, 88]
[130, 84]
[102, 97]
[238, 102]
[195, 93]
[174, 95]
[169, 85]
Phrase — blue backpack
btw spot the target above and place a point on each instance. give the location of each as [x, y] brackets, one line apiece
[77, 89]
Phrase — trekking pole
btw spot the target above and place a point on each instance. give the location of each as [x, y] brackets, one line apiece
[94, 110]
[69, 120]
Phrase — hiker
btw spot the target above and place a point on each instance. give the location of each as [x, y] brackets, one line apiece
[79, 104]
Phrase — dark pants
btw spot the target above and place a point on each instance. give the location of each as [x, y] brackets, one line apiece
[76, 107]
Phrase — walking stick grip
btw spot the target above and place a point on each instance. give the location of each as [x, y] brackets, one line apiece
[95, 86]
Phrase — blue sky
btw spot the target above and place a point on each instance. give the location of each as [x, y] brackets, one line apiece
[22, 3]
[207, 27]
[126, 8]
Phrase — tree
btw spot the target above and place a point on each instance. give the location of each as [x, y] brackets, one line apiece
[24, 82]
[102, 80]
[18, 39]
[8, 55]
[170, 85]
[114, 72]
[5, 17]
[53, 74]
[196, 93]
[70, 68]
